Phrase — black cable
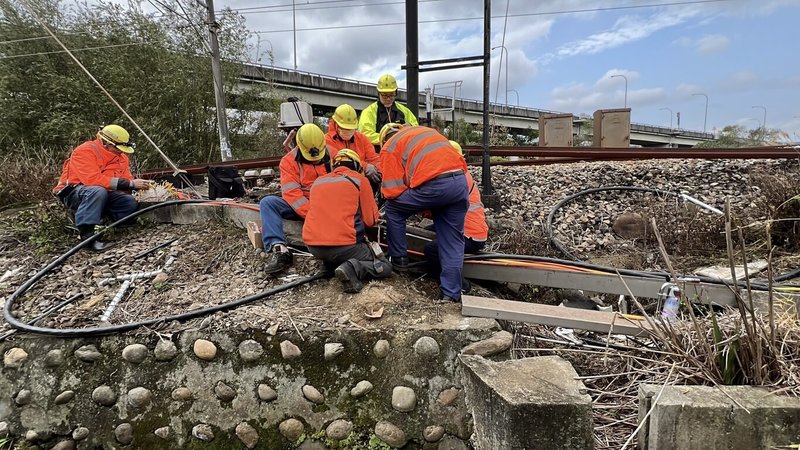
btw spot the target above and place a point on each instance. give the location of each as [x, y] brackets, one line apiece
[100, 331]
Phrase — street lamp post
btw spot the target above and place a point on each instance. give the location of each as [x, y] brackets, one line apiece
[294, 35]
[514, 91]
[670, 116]
[498, 77]
[258, 49]
[705, 115]
[763, 122]
[626, 87]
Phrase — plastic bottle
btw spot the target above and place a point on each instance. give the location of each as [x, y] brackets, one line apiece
[669, 312]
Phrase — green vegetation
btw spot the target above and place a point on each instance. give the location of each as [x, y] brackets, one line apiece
[735, 136]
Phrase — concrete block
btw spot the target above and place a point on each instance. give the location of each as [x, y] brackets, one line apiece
[533, 403]
[688, 417]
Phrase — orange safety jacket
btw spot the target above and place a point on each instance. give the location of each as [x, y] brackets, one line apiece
[475, 226]
[90, 164]
[359, 143]
[297, 176]
[416, 155]
[341, 207]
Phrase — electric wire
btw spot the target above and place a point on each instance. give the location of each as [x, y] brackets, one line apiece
[74, 50]
[101, 331]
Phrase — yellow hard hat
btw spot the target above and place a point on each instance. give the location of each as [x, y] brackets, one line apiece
[387, 83]
[457, 146]
[311, 142]
[389, 128]
[345, 116]
[346, 154]
[116, 136]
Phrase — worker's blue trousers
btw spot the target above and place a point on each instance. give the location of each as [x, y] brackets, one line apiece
[92, 203]
[447, 199]
[273, 210]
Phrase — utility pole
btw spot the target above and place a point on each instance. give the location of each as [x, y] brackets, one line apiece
[219, 94]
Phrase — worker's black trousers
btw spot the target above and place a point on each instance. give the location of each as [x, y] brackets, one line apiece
[359, 255]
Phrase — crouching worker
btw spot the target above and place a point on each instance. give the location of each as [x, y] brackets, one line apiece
[341, 207]
[96, 182]
[298, 170]
[476, 231]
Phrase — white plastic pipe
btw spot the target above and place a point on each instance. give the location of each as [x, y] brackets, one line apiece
[701, 204]
[115, 301]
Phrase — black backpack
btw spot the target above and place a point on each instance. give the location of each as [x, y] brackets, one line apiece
[224, 182]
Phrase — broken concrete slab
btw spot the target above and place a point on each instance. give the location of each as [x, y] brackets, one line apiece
[527, 403]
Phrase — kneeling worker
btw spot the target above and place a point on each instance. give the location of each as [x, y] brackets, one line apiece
[298, 171]
[96, 182]
[341, 207]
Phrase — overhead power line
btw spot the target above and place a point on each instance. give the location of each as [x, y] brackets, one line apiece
[462, 19]
[71, 50]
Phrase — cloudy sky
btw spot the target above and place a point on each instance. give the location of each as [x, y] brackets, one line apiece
[563, 53]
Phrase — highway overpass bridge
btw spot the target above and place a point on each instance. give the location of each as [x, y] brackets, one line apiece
[325, 93]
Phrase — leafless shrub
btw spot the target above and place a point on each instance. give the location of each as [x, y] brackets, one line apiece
[29, 175]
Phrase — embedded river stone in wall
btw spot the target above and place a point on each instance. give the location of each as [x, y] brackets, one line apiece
[448, 396]
[3, 429]
[139, 397]
[14, 357]
[162, 432]
[104, 396]
[181, 394]
[382, 348]
[88, 353]
[247, 434]
[266, 393]
[332, 350]
[390, 434]
[361, 389]
[124, 433]
[403, 399]
[165, 350]
[23, 397]
[64, 397]
[134, 353]
[498, 343]
[433, 433]
[289, 350]
[339, 429]
[54, 358]
[203, 432]
[250, 350]
[313, 395]
[224, 392]
[291, 429]
[80, 433]
[64, 445]
[426, 346]
[205, 350]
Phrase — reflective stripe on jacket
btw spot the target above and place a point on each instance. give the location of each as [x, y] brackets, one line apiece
[90, 164]
[359, 143]
[341, 207]
[413, 156]
[475, 226]
[297, 176]
[370, 123]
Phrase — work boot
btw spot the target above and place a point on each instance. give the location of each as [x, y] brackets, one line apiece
[279, 261]
[466, 286]
[347, 275]
[446, 298]
[399, 263]
[87, 231]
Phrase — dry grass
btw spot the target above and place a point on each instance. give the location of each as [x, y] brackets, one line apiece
[29, 175]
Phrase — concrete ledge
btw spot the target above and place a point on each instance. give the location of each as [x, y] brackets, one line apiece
[706, 417]
[533, 403]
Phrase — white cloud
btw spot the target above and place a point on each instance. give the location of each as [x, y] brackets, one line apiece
[712, 44]
[687, 90]
[739, 81]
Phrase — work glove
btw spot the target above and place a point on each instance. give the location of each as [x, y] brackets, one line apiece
[372, 173]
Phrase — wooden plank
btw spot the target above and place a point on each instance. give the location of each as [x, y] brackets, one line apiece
[557, 316]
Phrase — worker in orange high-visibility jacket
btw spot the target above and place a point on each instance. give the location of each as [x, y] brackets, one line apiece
[342, 133]
[298, 171]
[96, 181]
[341, 208]
[476, 230]
[422, 172]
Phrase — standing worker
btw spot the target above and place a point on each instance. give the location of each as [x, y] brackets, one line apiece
[341, 207]
[386, 110]
[298, 171]
[96, 182]
[342, 133]
[422, 172]
[476, 230]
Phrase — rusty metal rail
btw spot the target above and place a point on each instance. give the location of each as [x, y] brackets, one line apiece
[553, 155]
